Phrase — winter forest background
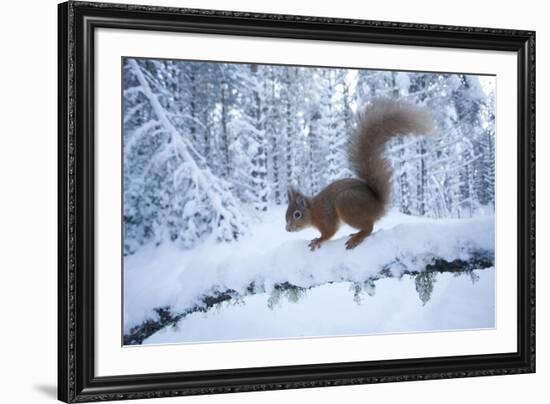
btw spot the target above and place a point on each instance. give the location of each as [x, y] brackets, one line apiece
[209, 145]
[209, 150]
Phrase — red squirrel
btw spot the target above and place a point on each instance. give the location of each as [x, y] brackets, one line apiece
[361, 201]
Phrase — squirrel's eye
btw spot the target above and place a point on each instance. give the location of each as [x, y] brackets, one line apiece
[297, 214]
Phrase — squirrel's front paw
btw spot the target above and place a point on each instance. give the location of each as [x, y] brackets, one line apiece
[355, 239]
[315, 243]
[352, 243]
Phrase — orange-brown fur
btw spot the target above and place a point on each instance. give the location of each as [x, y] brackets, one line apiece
[359, 202]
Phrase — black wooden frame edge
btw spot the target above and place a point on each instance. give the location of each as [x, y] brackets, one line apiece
[63, 283]
[76, 381]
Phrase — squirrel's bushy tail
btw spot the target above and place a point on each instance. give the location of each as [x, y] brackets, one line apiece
[380, 121]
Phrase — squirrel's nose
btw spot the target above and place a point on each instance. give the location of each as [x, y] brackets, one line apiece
[287, 227]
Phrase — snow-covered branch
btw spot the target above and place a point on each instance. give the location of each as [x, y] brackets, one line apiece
[263, 264]
[166, 316]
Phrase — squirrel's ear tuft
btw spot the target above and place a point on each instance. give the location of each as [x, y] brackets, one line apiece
[301, 200]
[291, 193]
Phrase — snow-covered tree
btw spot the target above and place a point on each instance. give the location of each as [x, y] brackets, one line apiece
[169, 191]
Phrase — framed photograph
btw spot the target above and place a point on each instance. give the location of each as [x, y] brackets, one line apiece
[254, 202]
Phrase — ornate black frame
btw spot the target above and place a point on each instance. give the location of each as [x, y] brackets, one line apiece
[77, 22]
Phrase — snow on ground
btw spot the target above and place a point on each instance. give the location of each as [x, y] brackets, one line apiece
[167, 276]
[330, 310]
